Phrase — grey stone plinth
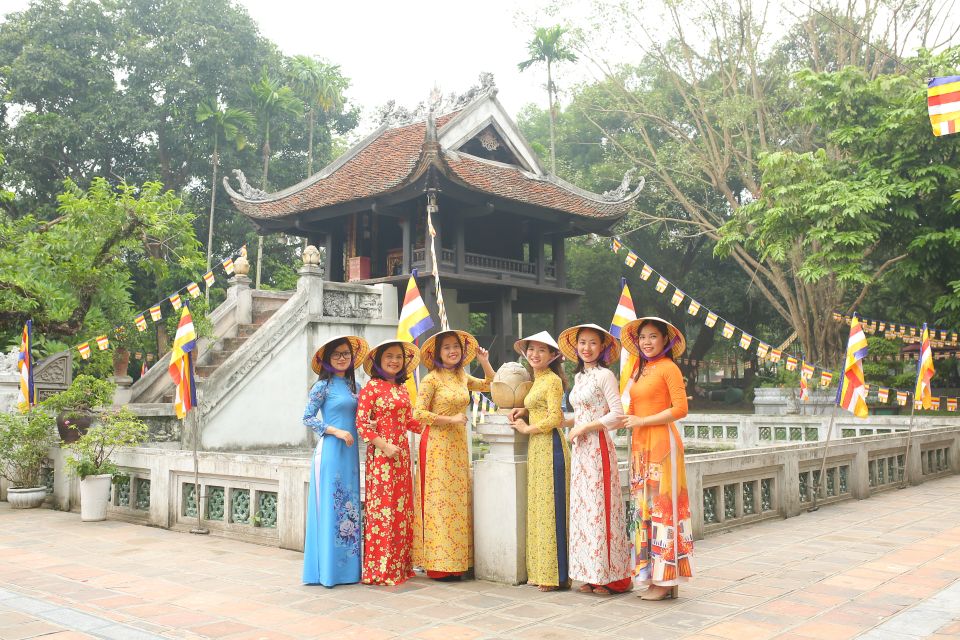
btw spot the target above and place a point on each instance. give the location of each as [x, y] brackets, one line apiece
[122, 394]
[500, 504]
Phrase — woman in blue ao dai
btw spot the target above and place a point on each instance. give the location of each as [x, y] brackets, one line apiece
[331, 547]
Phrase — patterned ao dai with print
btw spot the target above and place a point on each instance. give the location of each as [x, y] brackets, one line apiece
[331, 547]
[548, 484]
[443, 525]
[388, 506]
[663, 535]
[599, 545]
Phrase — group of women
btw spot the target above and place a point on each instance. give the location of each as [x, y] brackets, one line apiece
[577, 527]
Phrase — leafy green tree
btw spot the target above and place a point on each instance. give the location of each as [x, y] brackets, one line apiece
[547, 47]
[320, 86]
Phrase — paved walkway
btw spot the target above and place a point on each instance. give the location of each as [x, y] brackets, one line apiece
[886, 567]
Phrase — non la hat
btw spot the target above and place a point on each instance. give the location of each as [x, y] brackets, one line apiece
[568, 342]
[630, 331]
[520, 346]
[358, 345]
[428, 350]
[411, 352]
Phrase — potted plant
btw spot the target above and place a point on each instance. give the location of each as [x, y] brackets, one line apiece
[25, 439]
[91, 458]
[74, 406]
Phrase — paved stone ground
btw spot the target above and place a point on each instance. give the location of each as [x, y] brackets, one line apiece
[886, 567]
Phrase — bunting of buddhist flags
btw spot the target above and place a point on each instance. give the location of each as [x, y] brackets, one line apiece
[103, 343]
[711, 319]
[228, 266]
[951, 404]
[181, 365]
[745, 341]
[175, 301]
[925, 372]
[141, 322]
[804, 389]
[624, 313]
[762, 349]
[943, 104]
[791, 363]
[26, 394]
[883, 394]
[677, 298]
[662, 285]
[902, 330]
[208, 279]
[645, 272]
[193, 290]
[155, 313]
[631, 259]
[902, 398]
[728, 330]
[806, 370]
[84, 350]
[852, 392]
[694, 307]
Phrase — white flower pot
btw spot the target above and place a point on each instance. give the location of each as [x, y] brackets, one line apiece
[26, 498]
[94, 495]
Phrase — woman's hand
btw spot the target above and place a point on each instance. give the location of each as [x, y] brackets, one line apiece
[576, 432]
[483, 356]
[516, 414]
[457, 420]
[389, 450]
[346, 436]
[631, 422]
[521, 426]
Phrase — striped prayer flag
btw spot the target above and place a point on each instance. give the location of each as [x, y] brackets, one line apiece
[826, 378]
[631, 259]
[804, 389]
[694, 307]
[925, 371]
[228, 266]
[762, 349]
[951, 404]
[27, 393]
[193, 290]
[852, 393]
[103, 343]
[775, 355]
[662, 285]
[902, 398]
[616, 245]
[209, 278]
[175, 301]
[141, 322]
[414, 315]
[935, 403]
[837, 317]
[728, 330]
[84, 350]
[181, 365]
[677, 298]
[645, 272]
[624, 313]
[711, 319]
[155, 313]
[943, 104]
[883, 394]
[806, 370]
[745, 341]
[791, 363]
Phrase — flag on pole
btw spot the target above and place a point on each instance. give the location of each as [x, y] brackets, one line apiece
[27, 396]
[631, 259]
[414, 316]
[141, 323]
[143, 369]
[943, 104]
[852, 392]
[925, 371]
[181, 365]
[625, 312]
[804, 389]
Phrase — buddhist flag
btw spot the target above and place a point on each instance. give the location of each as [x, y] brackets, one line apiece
[745, 341]
[826, 378]
[631, 259]
[645, 272]
[925, 371]
[775, 355]
[694, 307]
[193, 290]
[414, 316]
[935, 403]
[662, 285]
[155, 313]
[951, 404]
[791, 363]
[143, 369]
[27, 395]
[902, 398]
[711, 319]
[728, 330]
[103, 343]
[175, 301]
[181, 365]
[762, 349]
[208, 279]
[84, 350]
[141, 322]
[883, 394]
[677, 298]
[616, 245]
[228, 266]
[837, 317]
[806, 370]
[624, 313]
[943, 104]
[804, 389]
[852, 393]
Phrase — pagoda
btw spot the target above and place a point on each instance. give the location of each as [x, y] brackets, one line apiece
[499, 217]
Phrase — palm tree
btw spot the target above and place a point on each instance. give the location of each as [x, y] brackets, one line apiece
[320, 86]
[546, 47]
[271, 98]
[230, 124]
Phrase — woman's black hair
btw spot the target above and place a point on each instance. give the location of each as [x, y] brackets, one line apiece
[326, 373]
[438, 342]
[581, 365]
[556, 366]
[662, 328]
[377, 368]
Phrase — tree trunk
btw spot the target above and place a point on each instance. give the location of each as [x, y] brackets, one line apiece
[266, 173]
[213, 203]
[310, 143]
[553, 149]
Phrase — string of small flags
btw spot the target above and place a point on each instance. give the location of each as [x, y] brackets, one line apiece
[482, 405]
[939, 338]
[749, 343]
[155, 311]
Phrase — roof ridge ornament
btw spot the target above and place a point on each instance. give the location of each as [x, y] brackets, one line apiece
[621, 192]
[246, 190]
[394, 116]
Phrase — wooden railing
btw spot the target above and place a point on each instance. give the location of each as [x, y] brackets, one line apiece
[480, 263]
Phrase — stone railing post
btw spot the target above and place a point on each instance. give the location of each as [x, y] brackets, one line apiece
[310, 284]
[500, 504]
[238, 287]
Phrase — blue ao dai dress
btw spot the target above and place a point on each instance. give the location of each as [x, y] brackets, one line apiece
[331, 547]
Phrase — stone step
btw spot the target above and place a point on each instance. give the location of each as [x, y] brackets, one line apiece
[205, 370]
[246, 330]
[230, 344]
[217, 358]
[259, 317]
[268, 304]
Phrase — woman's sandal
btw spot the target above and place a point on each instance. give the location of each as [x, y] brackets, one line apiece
[544, 588]
[671, 592]
[586, 588]
[601, 591]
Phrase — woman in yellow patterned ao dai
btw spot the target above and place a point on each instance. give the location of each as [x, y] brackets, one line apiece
[443, 514]
[548, 465]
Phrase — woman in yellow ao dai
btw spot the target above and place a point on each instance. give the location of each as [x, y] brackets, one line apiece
[443, 514]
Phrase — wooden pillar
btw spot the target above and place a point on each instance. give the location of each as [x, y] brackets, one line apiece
[460, 248]
[560, 308]
[405, 227]
[541, 258]
[335, 253]
[502, 321]
[559, 261]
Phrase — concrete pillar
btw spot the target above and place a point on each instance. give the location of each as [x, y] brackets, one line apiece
[310, 284]
[859, 478]
[238, 287]
[9, 387]
[788, 486]
[123, 394]
[500, 504]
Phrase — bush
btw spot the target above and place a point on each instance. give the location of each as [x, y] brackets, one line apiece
[25, 439]
[85, 393]
[115, 429]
